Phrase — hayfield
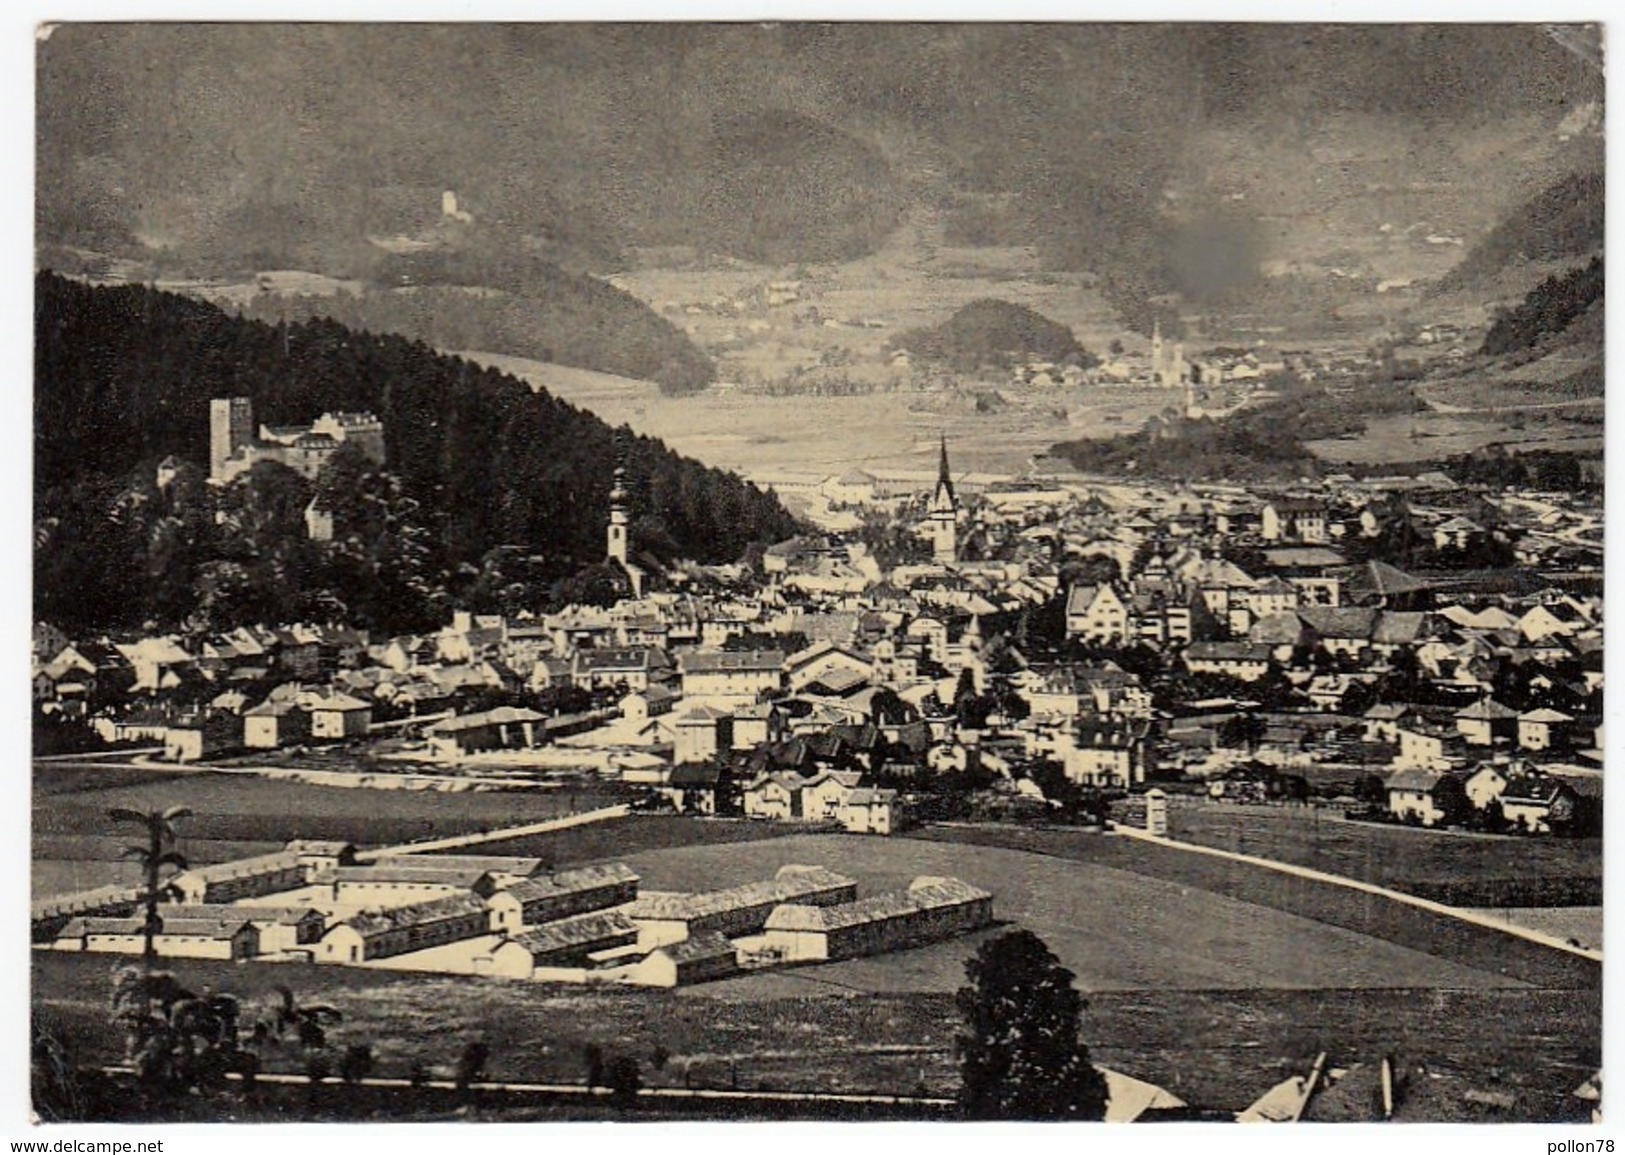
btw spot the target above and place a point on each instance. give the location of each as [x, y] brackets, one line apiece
[1435, 436]
[756, 434]
[239, 814]
[1212, 1048]
[1482, 949]
[1427, 863]
[1115, 929]
[1583, 924]
[632, 835]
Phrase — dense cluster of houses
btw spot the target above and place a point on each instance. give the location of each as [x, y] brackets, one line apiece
[1118, 631]
[505, 916]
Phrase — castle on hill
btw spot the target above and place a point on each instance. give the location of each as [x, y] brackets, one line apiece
[234, 446]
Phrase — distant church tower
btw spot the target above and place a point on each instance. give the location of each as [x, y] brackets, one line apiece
[945, 514]
[617, 506]
[1156, 352]
[231, 426]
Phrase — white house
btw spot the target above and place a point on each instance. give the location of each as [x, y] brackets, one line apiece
[870, 812]
[732, 676]
[1096, 614]
[1540, 729]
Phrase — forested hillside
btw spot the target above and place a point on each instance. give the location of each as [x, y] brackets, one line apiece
[1564, 220]
[493, 495]
[1547, 310]
[994, 334]
[566, 318]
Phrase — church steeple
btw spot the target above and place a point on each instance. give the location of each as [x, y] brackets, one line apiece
[616, 547]
[945, 513]
[945, 479]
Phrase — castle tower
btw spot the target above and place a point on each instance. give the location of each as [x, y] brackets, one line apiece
[231, 426]
[616, 547]
[944, 516]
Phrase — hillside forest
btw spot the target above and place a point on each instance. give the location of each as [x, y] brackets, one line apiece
[493, 496]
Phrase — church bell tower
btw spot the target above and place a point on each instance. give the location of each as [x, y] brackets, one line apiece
[944, 516]
[616, 546]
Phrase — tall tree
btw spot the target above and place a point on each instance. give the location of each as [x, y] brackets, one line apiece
[158, 852]
[1019, 1053]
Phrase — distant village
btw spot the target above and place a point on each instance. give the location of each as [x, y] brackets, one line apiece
[1007, 649]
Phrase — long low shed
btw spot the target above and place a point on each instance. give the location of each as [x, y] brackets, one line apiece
[569, 942]
[48, 916]
[206, 938]
[402, 929]
[739, 910]
[546, 898]
[405, 883]
[281, 928]
[931, 909]
[700, 959]
[224, 882]
[504, 868]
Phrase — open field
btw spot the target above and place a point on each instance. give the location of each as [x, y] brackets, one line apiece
[1583, 924]
[754, 434]
[236, 815]
[912, 280]
[1211, 1048]
[1396, 440]
[1452, 867]
[1440, 936]
[1290, 968]
[632, 835]
[1160, 935]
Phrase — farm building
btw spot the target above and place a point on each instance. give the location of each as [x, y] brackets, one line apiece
[1542, 729]
[569, 942]
[49, 915]
[1426, 797]
[739, 910]
[405, 883]
[564, 894]
[196, 738]
[504, 869]
[698, 734]
[506, 727]
[210, 938]
[226, 882]
[700, 959]
[273, 723]
[281, 928]
[870, 812]
[773, 796]
[929, 910]
[692, 788]
[337, 717]
[322, 855]
[402, 929]
[642, 705]
[823, 795]
[1535, 801]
